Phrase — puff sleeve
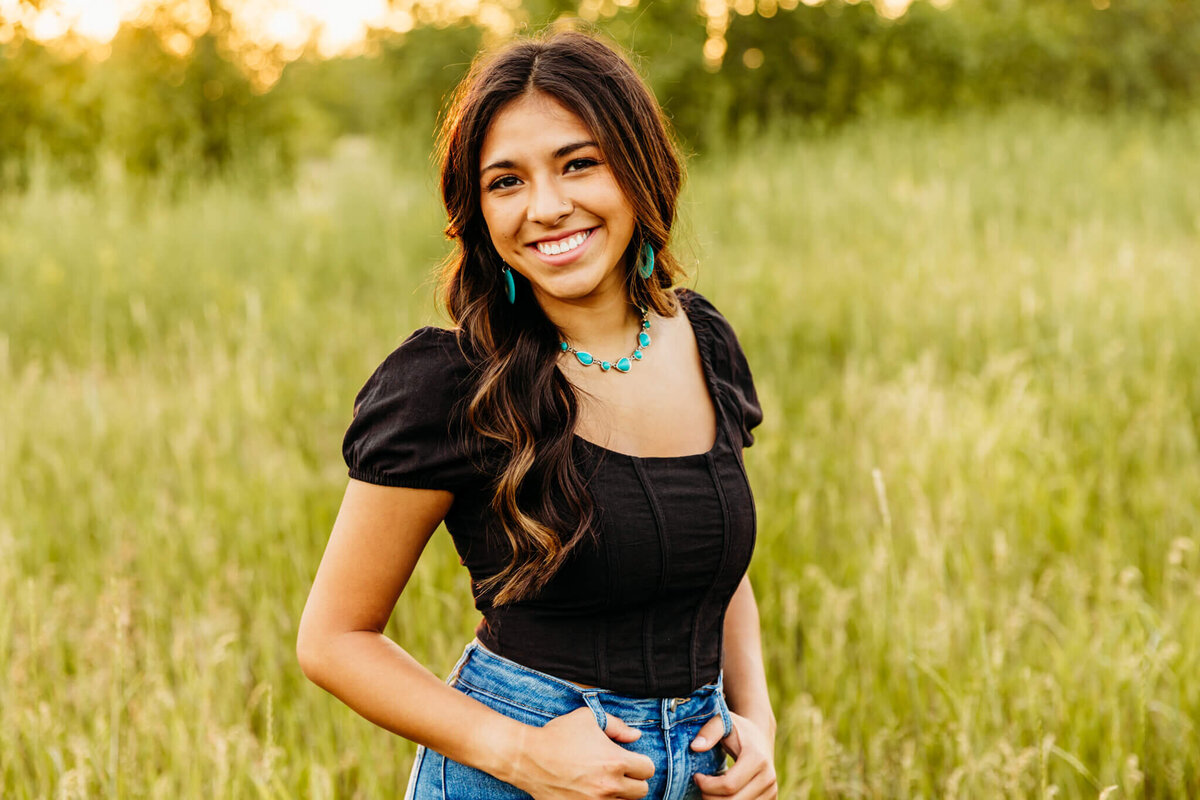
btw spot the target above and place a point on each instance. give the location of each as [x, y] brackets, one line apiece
[730, 367]
[401, 433]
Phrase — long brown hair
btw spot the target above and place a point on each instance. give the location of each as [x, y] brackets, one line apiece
[520, 402]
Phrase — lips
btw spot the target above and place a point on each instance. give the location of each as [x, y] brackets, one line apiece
[567, 248]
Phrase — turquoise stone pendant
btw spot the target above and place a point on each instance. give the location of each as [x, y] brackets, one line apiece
[606, 366]
[584, 358]
[622, 365]
[644, 339]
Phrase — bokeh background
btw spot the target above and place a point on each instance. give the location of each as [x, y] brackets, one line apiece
[959, 241]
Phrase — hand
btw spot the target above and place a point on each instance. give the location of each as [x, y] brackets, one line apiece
[570, 758]
[752, 776]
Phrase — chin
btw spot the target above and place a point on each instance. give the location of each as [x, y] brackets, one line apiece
[570, 292]
[571, 287]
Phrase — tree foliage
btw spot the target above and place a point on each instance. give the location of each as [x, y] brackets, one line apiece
[158, 111]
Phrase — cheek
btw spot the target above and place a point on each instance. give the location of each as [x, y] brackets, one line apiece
[499, 223]
[622, 211]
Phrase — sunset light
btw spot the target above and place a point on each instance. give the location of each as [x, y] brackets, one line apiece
[334, 28]
[267, 34]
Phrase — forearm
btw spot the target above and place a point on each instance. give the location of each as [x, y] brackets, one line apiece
[378, 679]
[745, 678]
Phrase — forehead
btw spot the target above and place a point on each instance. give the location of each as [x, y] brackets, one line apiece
[534, 125]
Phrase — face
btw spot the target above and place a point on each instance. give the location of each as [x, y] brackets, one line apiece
[551, 203]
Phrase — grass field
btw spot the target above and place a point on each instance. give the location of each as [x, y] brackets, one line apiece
[978, 349]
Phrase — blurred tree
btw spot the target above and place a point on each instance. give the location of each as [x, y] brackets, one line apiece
[47, 104]
[195, 111]
[174, 97]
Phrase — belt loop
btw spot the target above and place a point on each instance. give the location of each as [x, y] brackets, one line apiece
[722, 706]
[593, 702]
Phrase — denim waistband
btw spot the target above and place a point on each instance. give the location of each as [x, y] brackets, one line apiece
[490, 673]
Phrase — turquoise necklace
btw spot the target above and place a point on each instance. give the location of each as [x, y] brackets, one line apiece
[621, 364]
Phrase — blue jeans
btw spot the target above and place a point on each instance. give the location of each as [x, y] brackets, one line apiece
[668, 726]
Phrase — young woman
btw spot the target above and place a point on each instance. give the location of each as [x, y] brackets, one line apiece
[580, 432]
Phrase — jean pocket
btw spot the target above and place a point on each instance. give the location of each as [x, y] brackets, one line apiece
[460, 782]
[722, 759]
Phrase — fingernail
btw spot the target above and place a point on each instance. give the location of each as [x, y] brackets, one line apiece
[700, 741]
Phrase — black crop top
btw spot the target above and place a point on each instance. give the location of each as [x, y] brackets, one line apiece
[642, 610]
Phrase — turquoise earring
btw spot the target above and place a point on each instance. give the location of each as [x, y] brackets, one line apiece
[510, 288]
[646, 262]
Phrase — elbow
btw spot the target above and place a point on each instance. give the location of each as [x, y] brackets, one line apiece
[310, 653]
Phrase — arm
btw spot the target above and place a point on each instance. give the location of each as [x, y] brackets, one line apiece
[745, 678]
[379, 534]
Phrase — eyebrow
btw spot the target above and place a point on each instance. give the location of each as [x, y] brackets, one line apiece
[561, 152]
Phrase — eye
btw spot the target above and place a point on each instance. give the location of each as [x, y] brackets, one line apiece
[576, 164]
[503, 182]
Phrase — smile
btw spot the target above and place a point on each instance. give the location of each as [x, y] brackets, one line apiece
[564, 245]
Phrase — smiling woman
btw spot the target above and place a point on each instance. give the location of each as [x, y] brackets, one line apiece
[618, 654]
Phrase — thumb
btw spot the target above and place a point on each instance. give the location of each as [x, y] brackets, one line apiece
[617, 730]
[708, 735]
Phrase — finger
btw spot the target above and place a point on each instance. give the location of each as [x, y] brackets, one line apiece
[729, 783]
[633, 790]
[763, 787]
[708, 735]
[639, 766]
[618, 730]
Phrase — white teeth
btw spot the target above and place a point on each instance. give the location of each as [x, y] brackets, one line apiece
[563, 245]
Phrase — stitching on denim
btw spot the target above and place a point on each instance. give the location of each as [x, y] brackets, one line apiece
[531, 671]
[540, 712]
[415, 774]
[705, 716]
[667, 737]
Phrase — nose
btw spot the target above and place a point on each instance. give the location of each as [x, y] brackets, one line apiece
[548, 204]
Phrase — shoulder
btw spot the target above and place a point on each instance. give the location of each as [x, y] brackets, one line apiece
[711, 327]
[695, 303]
[702, 312]
[402, 432]
[428, 362]
[428, 349]
[722, 350]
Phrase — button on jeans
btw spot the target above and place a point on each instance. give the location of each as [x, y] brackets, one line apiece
[667, 724]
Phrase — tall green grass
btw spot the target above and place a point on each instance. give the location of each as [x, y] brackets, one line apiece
[978, 481]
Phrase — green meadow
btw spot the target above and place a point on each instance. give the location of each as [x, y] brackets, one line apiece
[977, 345]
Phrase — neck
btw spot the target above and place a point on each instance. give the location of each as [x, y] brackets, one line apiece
[597, 325]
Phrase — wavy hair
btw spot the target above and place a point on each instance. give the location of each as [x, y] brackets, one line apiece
[519, 402]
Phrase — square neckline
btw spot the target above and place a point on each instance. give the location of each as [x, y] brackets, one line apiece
[685, 297]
